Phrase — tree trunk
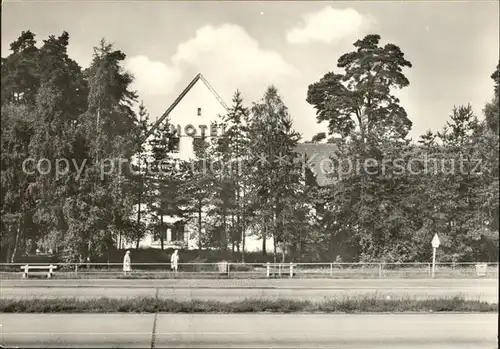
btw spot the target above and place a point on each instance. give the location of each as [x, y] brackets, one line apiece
[233, 239]
[275, 245]
[238, 217]
[275, 225]
[243, 237]
[237, 236]
[138, 226]
[200, 245]
[274, 248]
[25, 245]
[16, 242]
[87, 252]
[200, 223]
[302, 247]
[264, 238]
[161, 231]
[331, 247]
[243, 231]
[8, 255]
[293, 251]
[223, 241]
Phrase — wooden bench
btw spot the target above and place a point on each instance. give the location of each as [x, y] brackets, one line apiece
[49, 268]
[279, 270]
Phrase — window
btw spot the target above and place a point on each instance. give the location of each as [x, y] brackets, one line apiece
[173, 145]
[178, 232]
[199, 111]
[157, 233]
[199, 144]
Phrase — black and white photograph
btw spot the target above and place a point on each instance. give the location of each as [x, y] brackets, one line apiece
[249, 174]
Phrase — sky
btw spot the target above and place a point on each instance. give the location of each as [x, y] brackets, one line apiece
[249, 45]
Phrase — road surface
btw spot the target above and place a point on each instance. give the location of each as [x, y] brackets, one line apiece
[231, 290]
[259, 283]
[250, 330]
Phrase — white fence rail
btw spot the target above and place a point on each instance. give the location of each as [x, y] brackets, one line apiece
[265, 270]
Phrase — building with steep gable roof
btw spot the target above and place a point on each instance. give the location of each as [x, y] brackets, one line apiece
[195, 109]
[198, 105]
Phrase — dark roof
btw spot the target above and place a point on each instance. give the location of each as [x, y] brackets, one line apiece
[179, 98]
[316, 157]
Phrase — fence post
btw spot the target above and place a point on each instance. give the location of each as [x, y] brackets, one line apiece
[331, 269]
[76, 268]
[291, 270]
[379, 270]
[268, 269]
[429, 267]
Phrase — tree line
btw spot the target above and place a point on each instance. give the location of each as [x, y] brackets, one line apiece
[53, 109]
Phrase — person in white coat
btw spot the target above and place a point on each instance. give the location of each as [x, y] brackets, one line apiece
[174, 260]
[126, 263]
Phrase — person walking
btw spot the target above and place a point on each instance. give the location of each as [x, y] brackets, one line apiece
[174, 260]
[126, 263]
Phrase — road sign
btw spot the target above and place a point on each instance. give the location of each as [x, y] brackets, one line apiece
[435, 241]
[435, 244]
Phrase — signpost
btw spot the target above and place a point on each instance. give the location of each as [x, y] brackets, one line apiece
[435, 244]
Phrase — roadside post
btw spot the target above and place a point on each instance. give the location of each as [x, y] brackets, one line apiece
[435, 244]
[268, 269]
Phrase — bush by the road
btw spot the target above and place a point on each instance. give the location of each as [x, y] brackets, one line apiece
[154, 255]
[153, 305]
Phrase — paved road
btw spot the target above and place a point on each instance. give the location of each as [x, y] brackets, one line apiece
[250, 330]
[259, 283]
[230, 290]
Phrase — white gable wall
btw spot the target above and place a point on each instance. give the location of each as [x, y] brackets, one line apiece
[186, 113]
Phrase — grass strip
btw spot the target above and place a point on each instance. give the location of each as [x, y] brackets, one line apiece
[152, 305]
